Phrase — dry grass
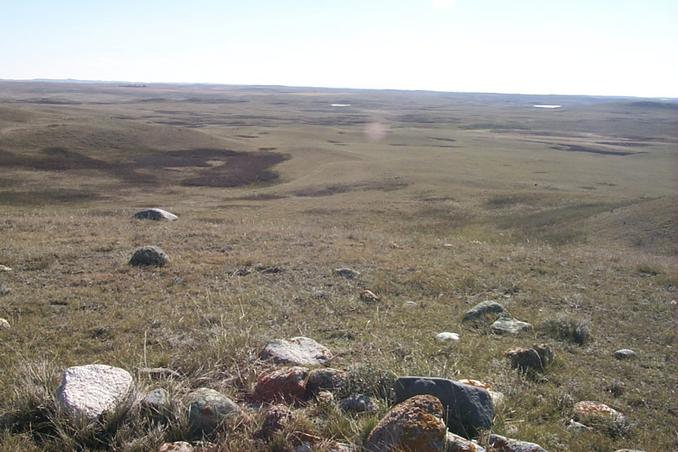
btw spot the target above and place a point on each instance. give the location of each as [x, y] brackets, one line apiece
[498, 217]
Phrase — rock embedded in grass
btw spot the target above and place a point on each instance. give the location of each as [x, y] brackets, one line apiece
[287, 384]
[468, 409]
[414, 425]
[178, 446]
[208, 409]
[346, 272]
[483, 309]
[447, 337]
[496, 396]
[4, 290]
[149, 256]
[326, 379]
[156, 401]
[155, 214]
[357, 403]
[624, 353]
[537, 358]
[500, 443]
[508, 325]
[298, 351]
[87, 392]
[4, 324]
[4, 268]
[277, 417]
[368, 296]
[600, 416]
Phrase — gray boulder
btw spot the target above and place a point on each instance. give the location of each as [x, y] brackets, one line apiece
[508, 325]
[500, 443]
[298, 351]
[149, 256]
[483, 309]
[155, 214]
[468, 409]
[207, 409]
[357, 403]
[624, 353]
[87, 392]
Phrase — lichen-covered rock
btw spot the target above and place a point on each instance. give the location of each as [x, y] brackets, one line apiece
[155, 214]
[326, 379]
[277, 417]
[456, 443]
[600, 416]
[483, 309]
[298, 351]
[149, 256]
[498, 443]
[537, 358]
[508, 325]
[468, 409]
[87, 392]
[415, 425]
[287, 384]
[207, 409]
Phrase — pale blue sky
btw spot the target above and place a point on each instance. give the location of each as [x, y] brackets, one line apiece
[606, 47]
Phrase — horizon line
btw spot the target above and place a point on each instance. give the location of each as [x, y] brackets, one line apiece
[93, 81]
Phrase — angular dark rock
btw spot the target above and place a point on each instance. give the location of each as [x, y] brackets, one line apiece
[468, 409]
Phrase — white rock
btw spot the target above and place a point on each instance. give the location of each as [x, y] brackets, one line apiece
[447, 337]
[624, 353]
[4, 268]
[89, 391]
[155, 214]
[298, 351]
[4, 324]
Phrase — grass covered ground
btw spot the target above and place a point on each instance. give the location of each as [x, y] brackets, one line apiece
[446, 200]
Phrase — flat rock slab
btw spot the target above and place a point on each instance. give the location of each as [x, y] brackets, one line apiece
[155, 214]
[483, 309]
[500, 443]
[298, 351]
[207, 409]
[149, 256]
[87, 392]
[414, 425]
[506, 325]
[468, 409]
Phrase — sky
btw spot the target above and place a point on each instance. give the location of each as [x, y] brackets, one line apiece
[597, 47]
